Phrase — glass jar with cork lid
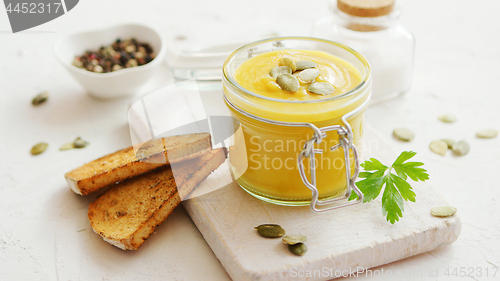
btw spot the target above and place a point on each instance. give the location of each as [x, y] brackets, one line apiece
[372, 27]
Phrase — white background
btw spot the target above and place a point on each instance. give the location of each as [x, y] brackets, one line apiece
[44, 230]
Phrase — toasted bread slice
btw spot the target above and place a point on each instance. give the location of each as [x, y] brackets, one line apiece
[127, 214]
[125, 164]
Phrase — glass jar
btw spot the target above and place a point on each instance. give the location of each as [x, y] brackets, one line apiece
[376, 33]
[270, 157]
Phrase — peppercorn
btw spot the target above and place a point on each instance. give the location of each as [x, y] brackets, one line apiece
[118, 55]
[131, 63]
[98, 69]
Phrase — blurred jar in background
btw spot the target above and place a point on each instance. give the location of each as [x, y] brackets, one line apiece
[372, 28]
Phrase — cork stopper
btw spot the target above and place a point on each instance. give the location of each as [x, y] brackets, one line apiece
[366, 8]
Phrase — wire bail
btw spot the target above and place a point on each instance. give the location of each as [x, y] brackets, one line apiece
[346, 138]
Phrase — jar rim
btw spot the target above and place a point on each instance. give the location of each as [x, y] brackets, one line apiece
[365, 79]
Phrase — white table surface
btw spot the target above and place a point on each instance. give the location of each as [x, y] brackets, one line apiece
[44, 230]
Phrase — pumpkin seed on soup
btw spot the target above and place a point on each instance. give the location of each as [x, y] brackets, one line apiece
[288, 82]
[270, 230]
[288, 62]
[461, 148]
[403, 134]
[39, 148]
[308, 75]
[294, 239]
[277, 71]
[440, 147]
[304, 64]
[298, 249]
[487, 134]
[321, 88]
[443, 211]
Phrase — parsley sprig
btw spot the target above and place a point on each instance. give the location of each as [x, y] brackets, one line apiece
[377, 176]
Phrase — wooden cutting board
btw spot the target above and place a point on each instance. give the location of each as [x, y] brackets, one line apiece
[342, 241]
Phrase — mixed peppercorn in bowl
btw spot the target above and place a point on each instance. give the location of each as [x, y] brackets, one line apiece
[113, 62]
[121, 54]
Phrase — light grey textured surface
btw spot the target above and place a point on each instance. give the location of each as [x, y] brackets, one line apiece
[44, 230]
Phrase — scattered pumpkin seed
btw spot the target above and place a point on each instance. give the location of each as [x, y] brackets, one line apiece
[288, 62]
[403, 134]
[298, 249]
[461, 148]
[270, 230]
[67, 146]
[309, 75]
[294, 239]
[277, 71]
[41, 98]
[449, 142]
[79, 143]
[439, 147]
[39, 148]
[321, 88]
[487, 134]
[447, 118]
[443, 211]
[304, 64]
[288, 82]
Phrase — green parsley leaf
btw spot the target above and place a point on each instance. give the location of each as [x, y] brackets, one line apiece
[392, 202]
[396, 188]
[373, 165]
[410, 169]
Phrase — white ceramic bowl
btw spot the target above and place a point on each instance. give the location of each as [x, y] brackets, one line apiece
[116, 84]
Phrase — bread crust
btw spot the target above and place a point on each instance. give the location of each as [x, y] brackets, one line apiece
[125, 163]
[127, 214]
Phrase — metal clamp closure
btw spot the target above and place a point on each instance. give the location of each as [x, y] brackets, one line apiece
[346, 138]
[346, 142]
